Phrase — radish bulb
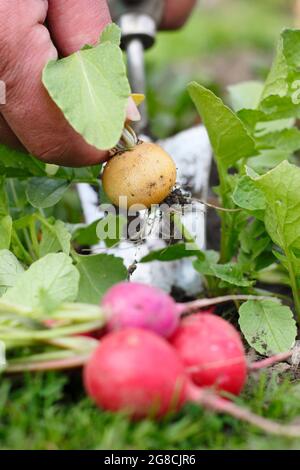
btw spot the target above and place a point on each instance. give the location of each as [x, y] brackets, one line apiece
[132, 304]
[138, 372]
[140, 176]
[212, 352]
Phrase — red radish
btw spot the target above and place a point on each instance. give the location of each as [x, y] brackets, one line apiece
[212, 352]
[131, 304]
[136, 371]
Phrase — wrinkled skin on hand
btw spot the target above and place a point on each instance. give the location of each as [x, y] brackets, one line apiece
[32, 32]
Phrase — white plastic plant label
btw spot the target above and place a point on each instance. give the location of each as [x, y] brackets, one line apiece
[296, 355]
[2, 356]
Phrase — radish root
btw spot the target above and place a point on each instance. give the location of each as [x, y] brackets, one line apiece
[270, 361]
[189, 307]
[220, 405]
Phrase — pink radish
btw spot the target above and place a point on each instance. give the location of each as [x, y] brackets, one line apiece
[136, 371]
[212, 352]
[131, 304]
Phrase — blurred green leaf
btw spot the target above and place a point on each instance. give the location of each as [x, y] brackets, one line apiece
[10, 269]
[15, 163]
[55, 238]
[5, 232]
[111, 229]
[245, 95]
[97, 274]
[172, 253]
[45, 192]
[53, 278]
[268, 327]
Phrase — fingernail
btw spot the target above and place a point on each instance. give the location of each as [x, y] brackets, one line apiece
[132, 113]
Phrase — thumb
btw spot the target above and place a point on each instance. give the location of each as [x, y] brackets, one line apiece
[74, 23]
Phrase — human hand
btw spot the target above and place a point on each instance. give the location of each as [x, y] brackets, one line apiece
[30, 118]
[176, 13]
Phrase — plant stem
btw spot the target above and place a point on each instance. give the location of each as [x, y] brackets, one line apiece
[43, 221]
[189, 307]
[270, 361]
[16, 200]
[54, 364]
[294, 286]
[35, 243]
[26, 337]
[27, 257]
[221, 405]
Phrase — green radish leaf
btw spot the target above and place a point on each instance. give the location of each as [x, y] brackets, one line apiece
[88, 174]
[248, 196]
[281, 92]
[276, 83]
[268, 327]
[280, 187]
[45, 192]
[268, 159]
[111, 33]
[245, 95]
[86, 234]
[255, 248]
[3, 197]
[172, 253]
[111, 229]
[97, 274]
[10, 270]
[91, 88]
[269, 127]
[286, 140]
[5, 232]
[228, 135]
[14, 164]
[55, 238]
[53, 279]
[230, 273]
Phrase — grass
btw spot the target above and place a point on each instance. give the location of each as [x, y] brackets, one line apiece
[49, 411]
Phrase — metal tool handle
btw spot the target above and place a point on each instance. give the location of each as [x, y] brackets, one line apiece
[138, 20]
[152, 8]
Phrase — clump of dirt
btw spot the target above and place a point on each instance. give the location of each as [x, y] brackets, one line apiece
[179, 197]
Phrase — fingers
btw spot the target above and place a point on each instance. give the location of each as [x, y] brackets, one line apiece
[74, 23]
[7, 137]
[36, 121]
[176, 13]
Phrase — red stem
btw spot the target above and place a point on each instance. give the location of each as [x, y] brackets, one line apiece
[220, 405]
[189, 307]
[270, 361]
